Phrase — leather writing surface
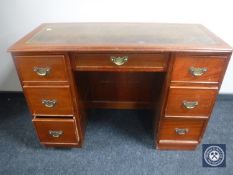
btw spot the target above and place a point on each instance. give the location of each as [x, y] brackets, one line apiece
[121, 37]
[126, 33]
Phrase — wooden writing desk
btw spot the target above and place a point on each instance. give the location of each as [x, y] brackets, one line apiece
[175, 70]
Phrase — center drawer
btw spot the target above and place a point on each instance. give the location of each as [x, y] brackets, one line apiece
[124, 62]
[49, 100]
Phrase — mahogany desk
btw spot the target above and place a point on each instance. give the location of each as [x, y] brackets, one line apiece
[175, 70]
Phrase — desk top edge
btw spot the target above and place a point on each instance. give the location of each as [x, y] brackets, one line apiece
[27, 44]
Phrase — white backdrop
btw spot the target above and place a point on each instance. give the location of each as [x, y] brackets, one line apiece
[18, 17]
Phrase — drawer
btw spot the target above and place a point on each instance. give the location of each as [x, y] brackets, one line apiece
[41, 68]
[184, 102]
[56, 131]
[49, 100]
[129, 62]
[181, 129]
[198, 68]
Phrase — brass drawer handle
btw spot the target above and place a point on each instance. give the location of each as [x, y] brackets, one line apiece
[42, 71]
[119, 60]
[181, 131]
[55, 134]
[197, 71]
[190, 104]
[49, 103]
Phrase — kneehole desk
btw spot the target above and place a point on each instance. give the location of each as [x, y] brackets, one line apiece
[174, 70]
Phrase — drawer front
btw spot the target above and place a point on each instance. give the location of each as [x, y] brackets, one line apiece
[139, 62]
[185, 102]
[42, 68]
[56, 131]
[198, 68]
[181, 129]
[49, 100]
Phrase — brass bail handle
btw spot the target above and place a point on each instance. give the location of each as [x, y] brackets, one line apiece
[42, 71]
[55, 134]
[181, 131]
[190, 104]
[49, 103]
[119, 60]
[197, 71]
